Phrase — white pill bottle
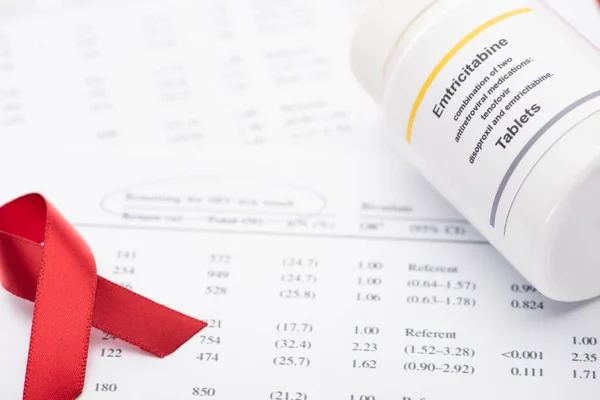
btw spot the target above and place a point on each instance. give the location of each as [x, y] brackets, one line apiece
[497, 104]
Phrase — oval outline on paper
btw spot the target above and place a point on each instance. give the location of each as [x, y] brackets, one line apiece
[320, 202]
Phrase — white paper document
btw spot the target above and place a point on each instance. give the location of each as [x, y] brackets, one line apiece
[179, 73]
[218, 158]
[321, 278]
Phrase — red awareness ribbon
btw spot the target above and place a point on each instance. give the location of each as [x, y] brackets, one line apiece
[44, 260]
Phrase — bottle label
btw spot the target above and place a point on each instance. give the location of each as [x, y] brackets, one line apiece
[493, 87]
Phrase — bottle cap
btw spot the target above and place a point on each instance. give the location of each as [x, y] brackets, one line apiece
[380, 30]
[552, 232]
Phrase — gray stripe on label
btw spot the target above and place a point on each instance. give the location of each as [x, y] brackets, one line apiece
[528, 146]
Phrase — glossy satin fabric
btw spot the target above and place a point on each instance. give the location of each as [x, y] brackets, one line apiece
[43, 259]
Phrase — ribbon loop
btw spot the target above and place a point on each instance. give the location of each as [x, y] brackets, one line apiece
[43, 259]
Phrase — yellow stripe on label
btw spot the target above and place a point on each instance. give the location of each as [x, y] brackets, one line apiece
[447, 59]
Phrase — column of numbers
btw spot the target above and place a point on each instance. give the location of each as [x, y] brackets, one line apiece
[294, 344]
[11, 105]
[369, 282]
[584, 357]
[124, 268]
[218, 275]
[299, 277]
[123, 272]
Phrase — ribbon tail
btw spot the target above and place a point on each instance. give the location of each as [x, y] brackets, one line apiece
[62, 317]
[141, 322]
